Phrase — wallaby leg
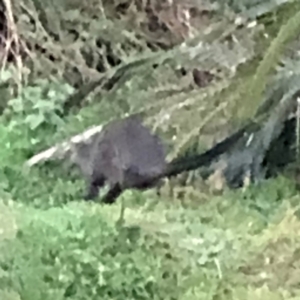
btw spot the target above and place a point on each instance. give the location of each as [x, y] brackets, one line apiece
[93, 189]
[151, 183]
[158, 187]
[112, 195]
[92, 192]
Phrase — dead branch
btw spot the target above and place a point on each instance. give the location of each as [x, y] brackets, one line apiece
[62, 150]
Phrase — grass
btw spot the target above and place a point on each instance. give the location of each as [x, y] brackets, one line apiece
[241, 245]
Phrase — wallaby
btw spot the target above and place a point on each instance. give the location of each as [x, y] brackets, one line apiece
[125, 155]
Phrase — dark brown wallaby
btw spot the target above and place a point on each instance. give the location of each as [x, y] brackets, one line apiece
[125, 155]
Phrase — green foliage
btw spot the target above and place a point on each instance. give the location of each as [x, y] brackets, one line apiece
[76, 252]
[271, 58]
[253, 8]
[38, 105]
[241, 245]
[66, 253]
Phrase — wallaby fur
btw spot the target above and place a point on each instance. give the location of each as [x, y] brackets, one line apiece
[125, 155]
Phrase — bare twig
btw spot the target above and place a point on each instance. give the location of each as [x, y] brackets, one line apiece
[62, 150]
[12, 38]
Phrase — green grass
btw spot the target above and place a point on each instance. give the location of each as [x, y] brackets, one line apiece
[235, 246]
[53, 245]
[241, 245]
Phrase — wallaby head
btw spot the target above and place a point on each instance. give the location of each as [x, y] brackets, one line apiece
[81, 156]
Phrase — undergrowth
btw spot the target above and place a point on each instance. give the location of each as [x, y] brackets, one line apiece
[243, 244]
[55, 246]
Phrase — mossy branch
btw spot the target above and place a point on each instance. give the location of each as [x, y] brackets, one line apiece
[256, 87]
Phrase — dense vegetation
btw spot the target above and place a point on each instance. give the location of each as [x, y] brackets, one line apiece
[191, 243]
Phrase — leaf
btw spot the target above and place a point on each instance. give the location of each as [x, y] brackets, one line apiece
[5, 75]
[72, 15]
[34, 121]
[16, 104]
[44, 104]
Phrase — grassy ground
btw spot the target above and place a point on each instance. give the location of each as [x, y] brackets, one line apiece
[241, 245]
